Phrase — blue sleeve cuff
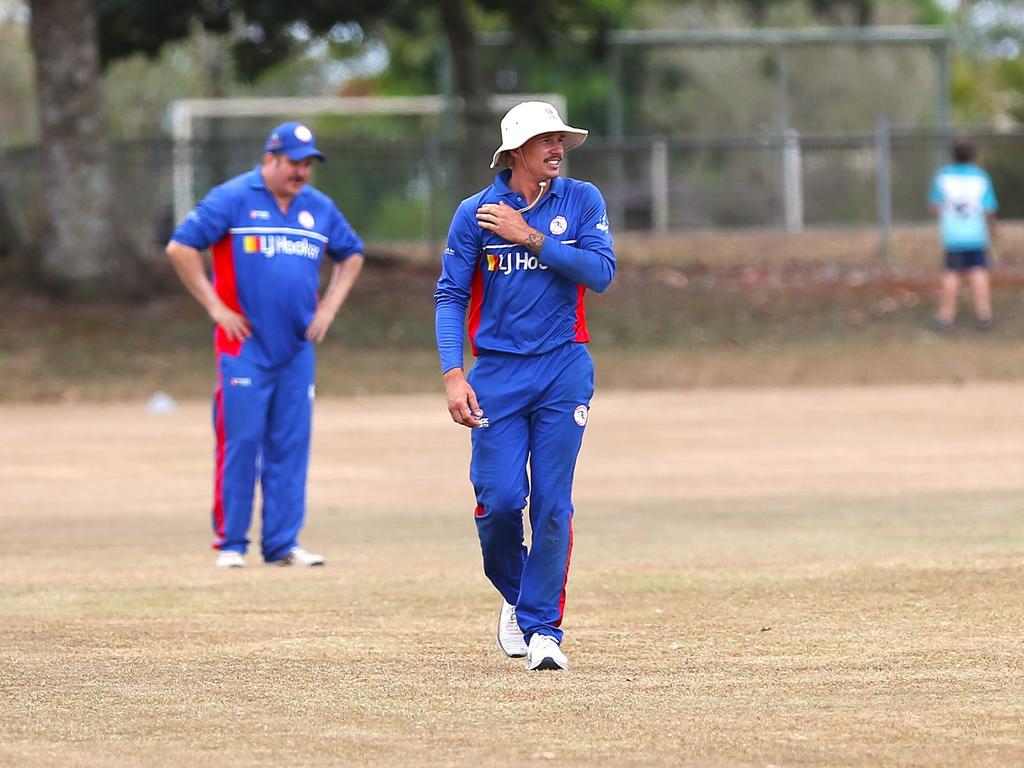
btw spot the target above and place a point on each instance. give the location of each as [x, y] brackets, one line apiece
[449, 321]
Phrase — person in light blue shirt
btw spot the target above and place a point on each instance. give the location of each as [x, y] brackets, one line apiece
[965, 201]
[520, 257]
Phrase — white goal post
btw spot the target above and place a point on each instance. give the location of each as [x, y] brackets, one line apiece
[185, 111]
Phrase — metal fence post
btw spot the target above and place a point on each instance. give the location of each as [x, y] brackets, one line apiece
[943, 99]
[883, 160]
[433, 158]
[659, 185]
[616, 131]
[181, 127]
[792, 181]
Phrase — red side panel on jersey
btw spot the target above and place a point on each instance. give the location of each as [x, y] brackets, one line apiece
[227, 288]
[476, 299]
[218, 471]
[565, 579]
[582, 334]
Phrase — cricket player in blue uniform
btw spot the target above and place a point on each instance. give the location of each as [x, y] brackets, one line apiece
[965, 201]
[520, 256]
[268, 231]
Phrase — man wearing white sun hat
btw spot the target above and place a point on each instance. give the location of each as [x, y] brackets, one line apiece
[520, 256]
[268, 231]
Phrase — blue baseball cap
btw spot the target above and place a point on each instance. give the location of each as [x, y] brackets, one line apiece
[295, 140]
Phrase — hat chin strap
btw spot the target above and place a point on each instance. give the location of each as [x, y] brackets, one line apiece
[543, 184]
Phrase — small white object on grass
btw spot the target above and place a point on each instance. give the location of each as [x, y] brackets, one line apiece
[161, 402]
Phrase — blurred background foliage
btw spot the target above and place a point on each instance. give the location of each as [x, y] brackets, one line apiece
[740, 301]
[399, 52]
[152, 54]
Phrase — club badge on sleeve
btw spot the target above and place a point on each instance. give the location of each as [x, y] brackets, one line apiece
[580, 415]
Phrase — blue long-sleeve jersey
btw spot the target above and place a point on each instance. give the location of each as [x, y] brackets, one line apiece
[266, 264]
[519, 302]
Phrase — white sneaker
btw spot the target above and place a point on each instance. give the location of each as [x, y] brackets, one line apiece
[510, 636]
[299, 556]
[230, 559]
[544, 653]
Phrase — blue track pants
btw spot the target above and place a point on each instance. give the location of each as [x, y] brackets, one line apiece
[262, 418]
[537, 407]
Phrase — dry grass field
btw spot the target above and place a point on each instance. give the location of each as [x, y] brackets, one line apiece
[779, 577]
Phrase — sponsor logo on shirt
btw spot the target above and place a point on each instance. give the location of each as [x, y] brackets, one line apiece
[272, 245]
[257, 214]
[965, 208]
[240, 381]
[603, 224]
[507, 263]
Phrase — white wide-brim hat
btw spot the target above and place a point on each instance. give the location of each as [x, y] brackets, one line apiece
[532, 118]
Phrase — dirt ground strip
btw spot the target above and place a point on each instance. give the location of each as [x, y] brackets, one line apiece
[788, 577]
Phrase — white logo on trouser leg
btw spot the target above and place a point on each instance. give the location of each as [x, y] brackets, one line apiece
[580, 415]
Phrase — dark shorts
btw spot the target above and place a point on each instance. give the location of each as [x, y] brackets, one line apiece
[961, 261]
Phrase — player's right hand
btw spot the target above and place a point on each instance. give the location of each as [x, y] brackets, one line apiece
[234, 325]
[462, 402]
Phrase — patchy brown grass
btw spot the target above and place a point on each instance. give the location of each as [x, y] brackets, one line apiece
[773, 577]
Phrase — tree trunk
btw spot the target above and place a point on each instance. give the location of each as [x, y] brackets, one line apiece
[80, 248]
[479, 127]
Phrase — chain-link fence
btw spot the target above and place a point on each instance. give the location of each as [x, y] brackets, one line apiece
[405, 191]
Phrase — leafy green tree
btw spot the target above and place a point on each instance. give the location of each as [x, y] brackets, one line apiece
[72, 40]
[537, 28]
[988, 75]
[263, 34]
[860, 12]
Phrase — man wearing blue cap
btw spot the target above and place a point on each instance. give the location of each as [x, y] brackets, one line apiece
[267, 231]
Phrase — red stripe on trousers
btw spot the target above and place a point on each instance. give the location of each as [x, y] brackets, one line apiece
[219, 453]
[565, 579]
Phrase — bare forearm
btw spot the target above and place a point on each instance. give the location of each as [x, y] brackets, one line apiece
[188, 264]
[993, 229]
[343, 277]
[534, 241]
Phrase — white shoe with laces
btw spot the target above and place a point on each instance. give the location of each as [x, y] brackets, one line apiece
[544, 653]
[300, 557]
[230, 559]
[510, 636]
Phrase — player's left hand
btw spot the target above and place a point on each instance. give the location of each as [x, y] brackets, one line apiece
[317, 329]
[504, 221]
